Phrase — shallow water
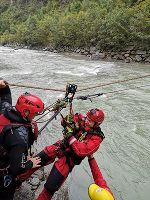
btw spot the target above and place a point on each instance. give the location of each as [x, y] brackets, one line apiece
[124, 155]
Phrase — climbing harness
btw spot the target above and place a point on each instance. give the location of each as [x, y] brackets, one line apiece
[6, 177]
[7, 180]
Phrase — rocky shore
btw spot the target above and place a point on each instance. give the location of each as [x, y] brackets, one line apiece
[31, 188]
[128, 55]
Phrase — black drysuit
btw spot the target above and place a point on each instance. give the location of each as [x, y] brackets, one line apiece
[15, 140]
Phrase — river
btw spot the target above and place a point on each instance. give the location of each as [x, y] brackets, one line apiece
[124, 155]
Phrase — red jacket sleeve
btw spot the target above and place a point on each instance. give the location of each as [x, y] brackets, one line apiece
[97, 175]
[86, 148]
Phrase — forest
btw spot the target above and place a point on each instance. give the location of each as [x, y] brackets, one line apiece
[105, 24]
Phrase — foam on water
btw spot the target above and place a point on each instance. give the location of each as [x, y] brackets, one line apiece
[124, 155]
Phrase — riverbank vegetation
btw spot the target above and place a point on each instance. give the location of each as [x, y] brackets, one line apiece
[106, 24]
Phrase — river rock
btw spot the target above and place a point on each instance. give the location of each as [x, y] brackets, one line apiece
[112, 53]
[34, 181]
[95, 56]
[92, 50]
[78, 51]
[126, 55]
[120, 57]
[133, 57]
[147, 59]
[132, 52]
[85, 53]
[102, 55]
[34, 187]
[24, 193]
[139, 52]
[38, 174]
[128, 60]
[138, 58]
[62, 194]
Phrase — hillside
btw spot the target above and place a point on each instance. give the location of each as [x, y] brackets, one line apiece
[105, 24]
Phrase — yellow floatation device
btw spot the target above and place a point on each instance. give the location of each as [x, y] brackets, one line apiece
[97, 193]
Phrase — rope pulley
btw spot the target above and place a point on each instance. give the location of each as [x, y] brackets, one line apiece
[62, 103]
[89, 96]
[70, 89]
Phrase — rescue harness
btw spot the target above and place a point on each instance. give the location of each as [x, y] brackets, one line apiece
[7, 125]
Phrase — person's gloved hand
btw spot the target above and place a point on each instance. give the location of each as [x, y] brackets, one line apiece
[68, 125]
[67, 120]
[68, 131]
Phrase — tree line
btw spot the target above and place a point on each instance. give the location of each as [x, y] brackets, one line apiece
[106, 24]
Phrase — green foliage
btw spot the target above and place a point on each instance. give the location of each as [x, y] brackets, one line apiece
[107, 24]
[4, 4]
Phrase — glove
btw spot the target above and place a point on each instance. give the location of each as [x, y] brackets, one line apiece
[68, 132]
[68, 126]
[68, 119]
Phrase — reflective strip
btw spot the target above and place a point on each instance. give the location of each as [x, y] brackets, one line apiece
[72, 141]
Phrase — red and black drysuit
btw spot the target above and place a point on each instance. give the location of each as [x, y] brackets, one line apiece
[97, 175]
[70, 152]
[16, 137]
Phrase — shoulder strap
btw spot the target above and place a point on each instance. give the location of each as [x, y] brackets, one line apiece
[3, 122]
[98, 132]
[6, 124]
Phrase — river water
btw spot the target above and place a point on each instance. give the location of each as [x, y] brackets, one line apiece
[124, 155]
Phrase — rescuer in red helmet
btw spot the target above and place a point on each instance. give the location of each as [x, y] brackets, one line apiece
[17, 134]
[82, 137]
[94, 117]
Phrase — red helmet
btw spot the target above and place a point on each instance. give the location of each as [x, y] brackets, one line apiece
[29, 102]
[95, 115]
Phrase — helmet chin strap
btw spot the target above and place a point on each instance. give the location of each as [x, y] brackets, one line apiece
[27, 119]
[95, 125]
[26, 116]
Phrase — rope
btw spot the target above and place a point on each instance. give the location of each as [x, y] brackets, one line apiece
[111, 92]
[35, 87]
[116, 91]
[87, 88]
[114, 82]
